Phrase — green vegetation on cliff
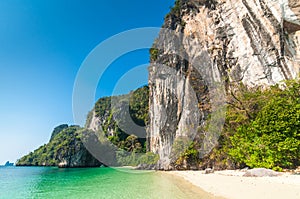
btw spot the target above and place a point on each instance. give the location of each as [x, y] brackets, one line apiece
[64, 149]
[66, 146]
[114, 118]
[271, 139]
[112, 111]
[139, 106]
[262, 129]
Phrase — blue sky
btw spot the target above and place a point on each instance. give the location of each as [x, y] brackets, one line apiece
[42, 46]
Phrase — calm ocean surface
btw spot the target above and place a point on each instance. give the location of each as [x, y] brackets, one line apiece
[42, 182]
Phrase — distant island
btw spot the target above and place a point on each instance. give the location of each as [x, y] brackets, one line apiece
[9, 164]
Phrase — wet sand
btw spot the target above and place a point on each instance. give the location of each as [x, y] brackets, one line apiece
[232, 185]
[188, 187]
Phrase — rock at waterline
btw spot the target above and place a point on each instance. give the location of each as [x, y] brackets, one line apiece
[9, 164]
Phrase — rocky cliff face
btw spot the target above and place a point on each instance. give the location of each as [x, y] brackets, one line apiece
[65, 149]
[121, 116]
[206, 43]
[120, 123]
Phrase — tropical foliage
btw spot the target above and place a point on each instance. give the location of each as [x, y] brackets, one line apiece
[272, 138]
[262, 129]
[113, 117]
[63, 146]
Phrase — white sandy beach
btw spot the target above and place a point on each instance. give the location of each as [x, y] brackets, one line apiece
[232, 185]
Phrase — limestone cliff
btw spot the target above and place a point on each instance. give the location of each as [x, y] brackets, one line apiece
[209, 42]
[65, 149]
[121, 116]
[120, 123]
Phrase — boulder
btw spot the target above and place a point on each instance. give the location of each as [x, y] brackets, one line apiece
[209, 170]
[261, 172]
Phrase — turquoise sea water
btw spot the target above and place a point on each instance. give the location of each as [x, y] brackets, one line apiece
[51, 182]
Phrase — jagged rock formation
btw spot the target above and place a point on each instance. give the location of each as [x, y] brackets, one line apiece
[206, 48]
[120, 123]
[57, 130]
[117, 122]
[291, 15]
[65, 149]
[121, 116]
[8, 164]
[205, 42]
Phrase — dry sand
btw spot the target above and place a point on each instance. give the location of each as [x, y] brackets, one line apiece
[232, 185]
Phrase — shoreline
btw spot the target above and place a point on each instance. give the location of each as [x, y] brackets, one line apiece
[232, 184]
[188, 186]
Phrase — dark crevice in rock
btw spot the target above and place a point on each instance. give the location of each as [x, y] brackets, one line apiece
[257, 32]
[225, 59]
[291, 27]
[269, 15]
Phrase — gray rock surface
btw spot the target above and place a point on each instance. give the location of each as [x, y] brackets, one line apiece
[261, 172]
[209, 170]
[225, 42]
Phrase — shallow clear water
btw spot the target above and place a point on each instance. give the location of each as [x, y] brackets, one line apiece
[42, 182]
